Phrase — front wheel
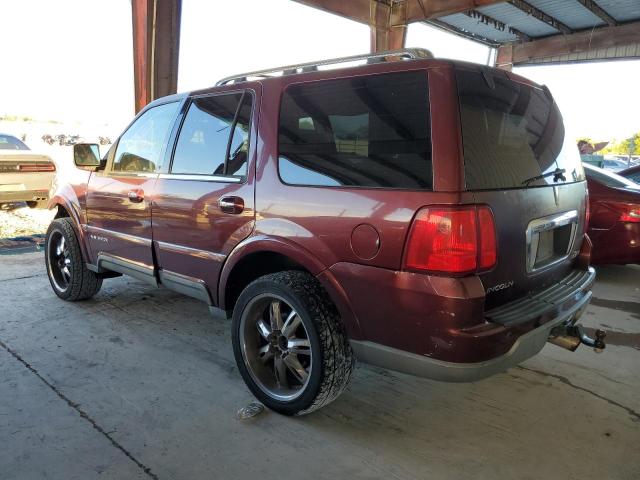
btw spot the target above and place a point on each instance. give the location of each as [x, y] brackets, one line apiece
[69, 276]
[289, 344]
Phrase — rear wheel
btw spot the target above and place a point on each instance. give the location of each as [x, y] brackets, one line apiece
[69, 276]
[289, 343]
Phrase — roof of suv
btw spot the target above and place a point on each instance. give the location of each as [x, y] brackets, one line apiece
[408, 58]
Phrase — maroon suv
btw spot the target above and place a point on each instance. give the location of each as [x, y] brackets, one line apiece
[422, 215]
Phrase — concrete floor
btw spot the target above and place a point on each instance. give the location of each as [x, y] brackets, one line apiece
[141, 383]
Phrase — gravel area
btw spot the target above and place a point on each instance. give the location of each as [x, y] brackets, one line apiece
[24, 221]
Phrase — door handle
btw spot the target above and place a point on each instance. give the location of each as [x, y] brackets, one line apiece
[136, 196]
[233, 205]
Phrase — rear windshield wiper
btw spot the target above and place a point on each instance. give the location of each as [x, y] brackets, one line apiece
[558, 174]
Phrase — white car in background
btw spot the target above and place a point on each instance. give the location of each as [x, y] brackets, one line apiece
[24, 176]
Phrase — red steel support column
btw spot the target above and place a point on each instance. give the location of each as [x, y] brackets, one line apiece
[156, 44]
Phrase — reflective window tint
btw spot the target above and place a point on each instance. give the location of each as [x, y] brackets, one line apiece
[204, 136]
[512, 134]
[371, 131]
[140, 147]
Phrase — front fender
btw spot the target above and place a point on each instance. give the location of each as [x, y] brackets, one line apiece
[67, 197]
[300, 255]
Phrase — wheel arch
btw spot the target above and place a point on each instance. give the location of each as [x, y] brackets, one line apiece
[256, 257]
[71, 210]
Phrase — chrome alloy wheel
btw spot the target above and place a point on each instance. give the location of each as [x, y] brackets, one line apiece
[275, 347]
[59, 261]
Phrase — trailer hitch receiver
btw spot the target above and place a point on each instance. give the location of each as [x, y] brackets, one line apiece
[571, 336]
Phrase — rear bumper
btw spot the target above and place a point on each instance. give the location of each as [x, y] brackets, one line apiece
[526, 346]
[437, 327]
[23, 196]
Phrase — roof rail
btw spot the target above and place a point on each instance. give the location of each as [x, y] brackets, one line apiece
[405, 53]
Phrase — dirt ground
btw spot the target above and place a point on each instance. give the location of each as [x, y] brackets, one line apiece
[24, 221]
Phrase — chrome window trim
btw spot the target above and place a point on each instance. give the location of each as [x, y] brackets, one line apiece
[201, 178]
[548, 223]
[119, 173]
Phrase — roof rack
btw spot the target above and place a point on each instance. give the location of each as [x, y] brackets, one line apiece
[406, 54]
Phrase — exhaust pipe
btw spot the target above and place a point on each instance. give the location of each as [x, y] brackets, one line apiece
[571, 336]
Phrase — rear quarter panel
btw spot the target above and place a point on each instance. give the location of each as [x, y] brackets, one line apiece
[321, 219]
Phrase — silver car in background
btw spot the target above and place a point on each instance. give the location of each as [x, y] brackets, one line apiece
[25, 176]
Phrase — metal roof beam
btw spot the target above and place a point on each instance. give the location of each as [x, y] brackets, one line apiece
[416, 10]
[388, 24]
[557, 45]
[598, 11]
[540, 15]
[497, 24]
[358, 10]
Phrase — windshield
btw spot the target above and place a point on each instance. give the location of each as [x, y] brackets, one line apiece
[609, 179]
[9, 142]
[513, 134]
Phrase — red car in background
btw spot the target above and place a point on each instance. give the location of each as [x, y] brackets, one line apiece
[632, 173]
[614, 223]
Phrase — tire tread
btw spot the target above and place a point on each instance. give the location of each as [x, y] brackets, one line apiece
[338, 360]
[84, 283]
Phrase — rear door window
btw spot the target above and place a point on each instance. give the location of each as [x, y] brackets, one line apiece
[206, 136]
[370, 131]
[512, 134]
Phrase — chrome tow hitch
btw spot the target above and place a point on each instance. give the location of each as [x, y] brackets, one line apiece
[571, 336]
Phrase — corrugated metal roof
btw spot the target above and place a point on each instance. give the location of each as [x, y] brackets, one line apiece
[514, 17]
[575, 22]
[463, 22]
[621, 10]
[569, 12]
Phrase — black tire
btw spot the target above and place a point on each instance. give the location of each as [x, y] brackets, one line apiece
[83, 283]
[332, 359]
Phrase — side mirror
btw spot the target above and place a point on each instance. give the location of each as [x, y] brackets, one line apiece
[86, 154]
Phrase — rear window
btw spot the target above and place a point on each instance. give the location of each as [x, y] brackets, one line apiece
[368, 131]
[9, 142]
[512, 134]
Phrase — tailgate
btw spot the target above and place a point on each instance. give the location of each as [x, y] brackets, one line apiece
[537, 238]
[519, 160]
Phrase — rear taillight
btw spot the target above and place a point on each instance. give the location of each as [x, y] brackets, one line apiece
[452, 240]
[487, 238]
[629, 213]
[36, 167]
